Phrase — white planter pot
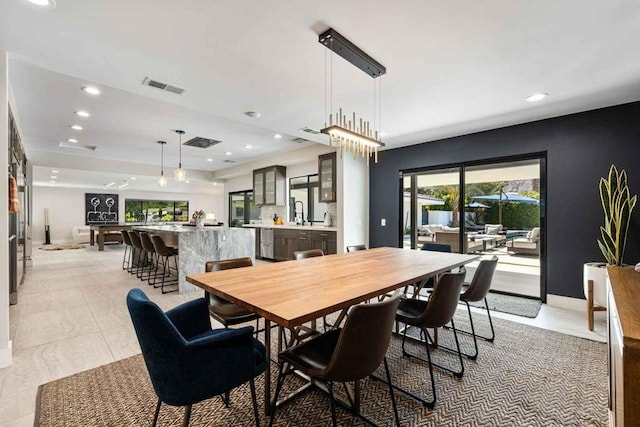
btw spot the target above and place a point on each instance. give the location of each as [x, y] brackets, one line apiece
[596, 271]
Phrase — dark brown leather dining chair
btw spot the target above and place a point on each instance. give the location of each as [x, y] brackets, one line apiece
[355, 248]
[344, 355]
[307, 254]
[477, 291]
[437, 312]
[222, 310]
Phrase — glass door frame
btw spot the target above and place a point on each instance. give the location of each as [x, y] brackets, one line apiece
[540, 156]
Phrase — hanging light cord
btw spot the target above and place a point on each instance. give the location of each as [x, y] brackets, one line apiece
[161, 159]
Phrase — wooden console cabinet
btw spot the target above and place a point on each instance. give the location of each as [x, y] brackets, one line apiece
[623, 300]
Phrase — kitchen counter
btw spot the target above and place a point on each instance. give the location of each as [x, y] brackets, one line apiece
[196, 246]
[292, 227]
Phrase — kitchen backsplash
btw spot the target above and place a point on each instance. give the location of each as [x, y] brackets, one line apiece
[267, 212]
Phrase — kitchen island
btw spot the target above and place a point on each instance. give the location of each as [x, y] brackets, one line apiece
[196, 246]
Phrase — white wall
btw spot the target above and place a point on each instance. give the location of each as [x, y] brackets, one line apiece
[67, 208]
[5, 344]
[353, 201]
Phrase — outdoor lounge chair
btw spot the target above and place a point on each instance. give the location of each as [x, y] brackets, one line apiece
[529, 245]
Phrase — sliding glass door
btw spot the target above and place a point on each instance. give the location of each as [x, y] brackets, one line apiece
[492, 208]
[431, 208]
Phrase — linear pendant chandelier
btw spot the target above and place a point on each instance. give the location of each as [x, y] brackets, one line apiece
[353, 136]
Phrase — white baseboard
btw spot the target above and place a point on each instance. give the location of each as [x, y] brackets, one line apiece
[5, 356]
[568, 303]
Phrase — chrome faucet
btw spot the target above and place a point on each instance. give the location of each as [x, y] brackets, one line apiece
[295, 211]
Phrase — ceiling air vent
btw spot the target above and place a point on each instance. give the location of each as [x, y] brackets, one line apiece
[309, 130]
[299, 140]
[163, 86]
[228, 161]
[201, 142]
[77, 146]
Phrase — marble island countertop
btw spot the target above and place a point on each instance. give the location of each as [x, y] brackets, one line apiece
[177, 228]
[293, 227]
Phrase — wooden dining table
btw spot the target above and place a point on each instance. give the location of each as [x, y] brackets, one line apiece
[292, 293]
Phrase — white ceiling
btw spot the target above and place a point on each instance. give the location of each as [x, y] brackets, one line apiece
[453, 67]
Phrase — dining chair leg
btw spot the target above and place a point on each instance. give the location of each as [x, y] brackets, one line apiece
[254, 401]
[277, 393]
[393, 398]
[155, 416]
[333, 404]
[187, 416]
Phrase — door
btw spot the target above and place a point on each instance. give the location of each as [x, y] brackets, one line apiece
[431, 209]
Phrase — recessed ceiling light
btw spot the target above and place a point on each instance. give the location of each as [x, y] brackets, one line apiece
[82, 113]
[247, 147]
[187, 181]
[76, 127]
[49, 3]
[54, 171]
[253, 114]
[228, 153]
[133, 177]
[277, 136]
[53, 177]
[215, 183]
[53, 182]
[72, 140]
[92, 90]
[209, 160]
[536, 97]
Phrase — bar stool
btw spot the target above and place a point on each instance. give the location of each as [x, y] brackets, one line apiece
[151, 257]
[165, 252]
[126, 260]
[137, 251]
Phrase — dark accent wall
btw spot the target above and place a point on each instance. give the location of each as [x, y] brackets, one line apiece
[580, 149]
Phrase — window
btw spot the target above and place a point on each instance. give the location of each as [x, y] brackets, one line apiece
[242, 209]
[303, 197]
[156, 211]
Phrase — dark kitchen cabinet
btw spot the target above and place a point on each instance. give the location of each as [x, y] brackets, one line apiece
[269, 186]
[327, 178]
[325, 240]
[285, 243]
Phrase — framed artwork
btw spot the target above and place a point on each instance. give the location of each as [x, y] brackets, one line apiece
[101, 208]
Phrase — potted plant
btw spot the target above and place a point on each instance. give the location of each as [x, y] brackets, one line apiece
[617, 204]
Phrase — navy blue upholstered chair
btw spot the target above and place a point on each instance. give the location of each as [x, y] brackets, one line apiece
[188, 362]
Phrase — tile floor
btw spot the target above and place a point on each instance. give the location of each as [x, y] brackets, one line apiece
[72, 317]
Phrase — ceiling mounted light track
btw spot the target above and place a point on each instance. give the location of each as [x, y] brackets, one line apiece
[179, 173]
[355, 136]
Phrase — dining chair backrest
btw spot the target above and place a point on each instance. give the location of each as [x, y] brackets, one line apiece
[437, 247]
[481, 282]
[307, 254]
[147, 244]
[160, 247]
[227, 264]
[125, 237]
[363, 341]
[135, 239]
[443, 300]
[356, 248]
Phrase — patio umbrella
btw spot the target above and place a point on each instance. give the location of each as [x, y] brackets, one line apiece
[503, 197]
[476, 205]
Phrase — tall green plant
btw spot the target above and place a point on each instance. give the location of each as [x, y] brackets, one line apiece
[617, 204]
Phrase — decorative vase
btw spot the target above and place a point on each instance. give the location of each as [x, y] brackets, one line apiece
[200, 222]
[596, 271]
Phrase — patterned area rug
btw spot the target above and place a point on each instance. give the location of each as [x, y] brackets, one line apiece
[528, 377]
[519, 306]
[61, 247]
